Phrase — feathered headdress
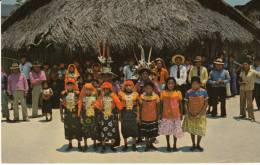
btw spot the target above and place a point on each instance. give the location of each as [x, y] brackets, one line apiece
[142, 63]
[105, 58]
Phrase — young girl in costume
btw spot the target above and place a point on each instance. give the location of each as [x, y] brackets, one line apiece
[87, 114]
[171, 116]
[149, 114]
[47, 94]
[129, 113]
[69, 113]
[195, 119]
[72, 73]
[109, 104]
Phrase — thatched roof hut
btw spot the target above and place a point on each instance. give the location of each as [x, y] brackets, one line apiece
[252, 11]
[61, 29]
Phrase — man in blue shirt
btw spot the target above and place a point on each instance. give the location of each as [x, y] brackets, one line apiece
[218, 78]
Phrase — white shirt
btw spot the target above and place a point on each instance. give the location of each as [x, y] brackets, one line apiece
[25, 69]
[183, 74]
[128, 73]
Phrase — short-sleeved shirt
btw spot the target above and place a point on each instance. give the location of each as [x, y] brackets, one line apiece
[196, 99]
[25, 69]
[149, 107]
[171, 107]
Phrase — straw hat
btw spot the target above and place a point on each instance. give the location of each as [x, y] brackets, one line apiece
[198, 59]
[14, 66]
[107, 71]
[178, 56]
[219, 61]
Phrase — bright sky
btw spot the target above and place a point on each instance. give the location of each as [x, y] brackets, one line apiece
[232, 2]
[237, 2]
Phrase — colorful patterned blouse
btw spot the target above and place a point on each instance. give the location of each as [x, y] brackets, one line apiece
[171, 107]
[128, 101]
[149, 107]
[196, 99]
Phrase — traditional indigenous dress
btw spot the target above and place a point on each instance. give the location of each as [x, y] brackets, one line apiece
[87, 113]
[71, 120]
[149, 120]
[196, 100]
[109, 106]
[171, 115]
[129, 126]
[47, 102]
[74, 75]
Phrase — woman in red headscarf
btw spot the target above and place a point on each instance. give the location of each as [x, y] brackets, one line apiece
[69, 113]
[109, 104]
[87, 114]
[129, 113]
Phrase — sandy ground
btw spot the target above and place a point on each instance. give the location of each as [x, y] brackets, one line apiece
[227, 140]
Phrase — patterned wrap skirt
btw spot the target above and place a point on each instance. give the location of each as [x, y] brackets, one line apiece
[149, 129]
[108, 130]
[171, 127]
[72, 126]
[195, 126]
[129, 127]
[90, 128]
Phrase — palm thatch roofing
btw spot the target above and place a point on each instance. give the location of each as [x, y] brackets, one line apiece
[252, 11]
[69, 27]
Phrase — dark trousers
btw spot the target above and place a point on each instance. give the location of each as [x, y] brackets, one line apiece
[256, 95]
[219, 94]
[183, 89]
[29, 94]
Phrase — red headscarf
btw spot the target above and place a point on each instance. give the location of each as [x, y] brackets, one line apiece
[106, 85]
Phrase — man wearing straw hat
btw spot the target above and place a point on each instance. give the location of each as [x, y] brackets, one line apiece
[198, 70]
[37, 76]
[218, 78]
[179, 72]
[18, 88]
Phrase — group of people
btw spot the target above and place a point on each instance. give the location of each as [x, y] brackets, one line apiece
[147, 100]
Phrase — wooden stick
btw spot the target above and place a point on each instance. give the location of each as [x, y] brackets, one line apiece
[135, 56]
[149, 57]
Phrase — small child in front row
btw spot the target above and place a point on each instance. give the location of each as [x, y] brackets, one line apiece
[149, 115]
[170, 124]
[195, 119]
[47, 94]
[129, 114]
[88, 115]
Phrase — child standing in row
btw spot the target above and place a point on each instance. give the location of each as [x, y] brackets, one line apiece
[129, 113]
[47, 94]
[195, 119]
[149, 115]
[88, 115]
[69, 113]
[170, 124]
[109, 104]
